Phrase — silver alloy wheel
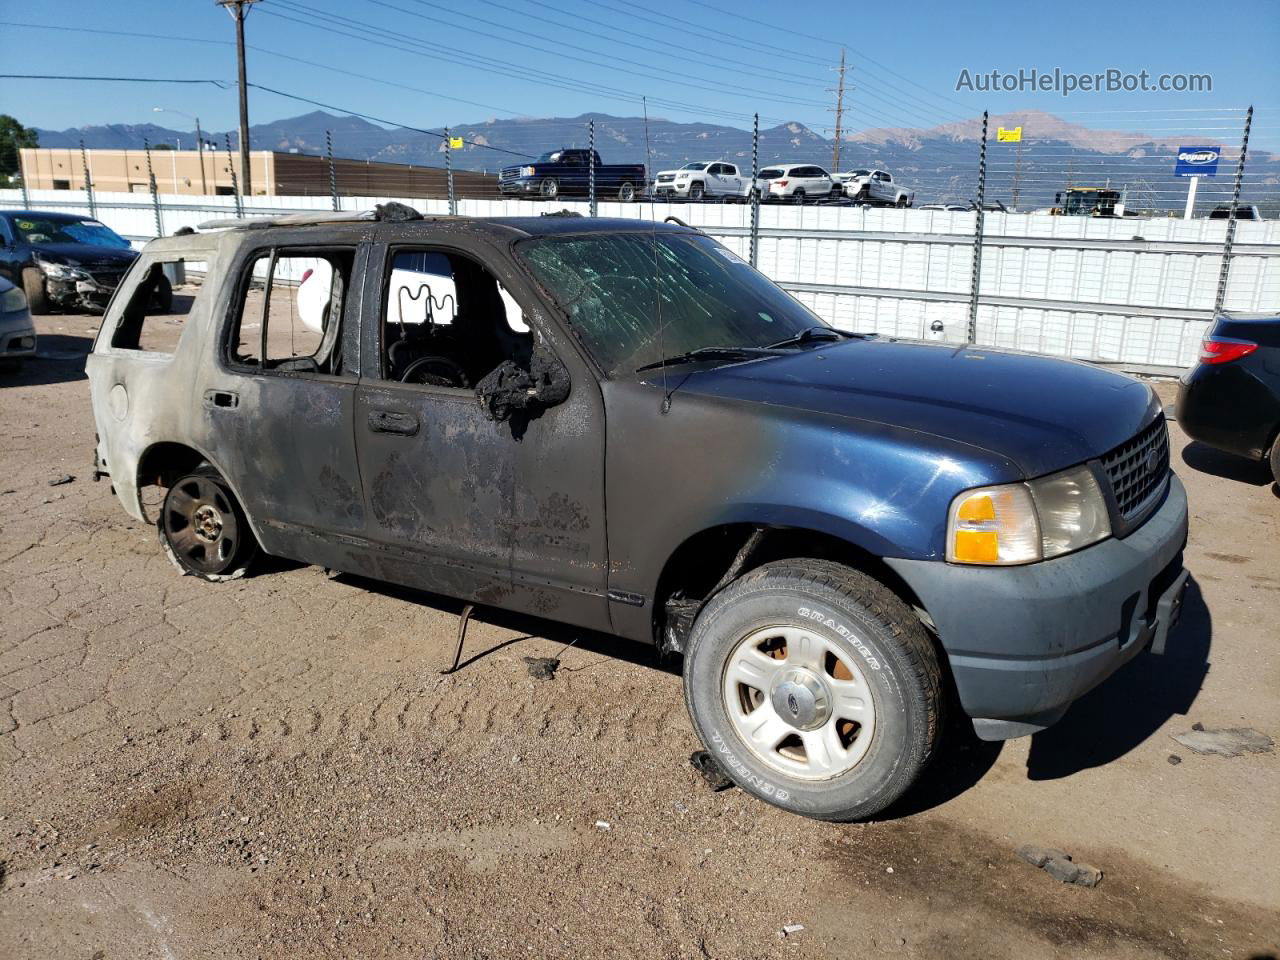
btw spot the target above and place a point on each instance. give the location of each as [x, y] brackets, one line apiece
[799, 702]
[549, 188]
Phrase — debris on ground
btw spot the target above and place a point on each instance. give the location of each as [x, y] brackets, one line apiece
[1059, 865]
[1228, 742]
[59, 481]
[542, 668]
[1174, 759]
[790, 928]
[705, 764]
[603, 825]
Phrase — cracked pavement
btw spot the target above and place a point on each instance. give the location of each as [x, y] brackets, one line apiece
[274, 767]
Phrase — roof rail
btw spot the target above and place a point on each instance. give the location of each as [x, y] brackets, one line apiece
[391, 212]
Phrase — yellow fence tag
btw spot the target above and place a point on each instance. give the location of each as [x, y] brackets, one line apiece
[1008, 136]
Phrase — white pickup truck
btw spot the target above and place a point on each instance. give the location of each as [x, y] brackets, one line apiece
[875, 186]
[703, 179]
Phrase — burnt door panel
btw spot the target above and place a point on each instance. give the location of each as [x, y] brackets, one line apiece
[505, 513]
[283, 432]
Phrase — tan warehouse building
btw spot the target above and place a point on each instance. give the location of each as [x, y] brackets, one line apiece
[274, 174]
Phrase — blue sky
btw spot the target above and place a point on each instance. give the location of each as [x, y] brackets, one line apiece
[711, 60]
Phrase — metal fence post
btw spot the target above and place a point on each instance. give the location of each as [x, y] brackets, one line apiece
[333, 175]
[155, 192]
[754, 193]
[22, 176]
[591, 167]
[235, 186]
[88, 182]
[1230, 239]
[971, 334]
[448, 171]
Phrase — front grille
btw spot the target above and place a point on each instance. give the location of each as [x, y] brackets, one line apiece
[1138, 467]
[666, 177]
[510, 173]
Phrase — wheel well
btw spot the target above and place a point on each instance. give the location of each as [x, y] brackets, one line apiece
[696, 569]
[163, 463]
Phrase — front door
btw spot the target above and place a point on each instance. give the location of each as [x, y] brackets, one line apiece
[509, 513]
[277, 410]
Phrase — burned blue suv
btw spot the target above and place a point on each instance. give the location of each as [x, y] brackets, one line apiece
[624, 427]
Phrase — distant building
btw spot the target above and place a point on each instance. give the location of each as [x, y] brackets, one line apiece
[274, 174]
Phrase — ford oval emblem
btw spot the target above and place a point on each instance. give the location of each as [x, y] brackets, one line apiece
[793, 704]
[1152, 461]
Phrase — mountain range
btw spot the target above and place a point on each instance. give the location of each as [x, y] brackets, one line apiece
[940, 163]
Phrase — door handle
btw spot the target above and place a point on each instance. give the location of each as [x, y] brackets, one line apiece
[225, 399]
[393, 421]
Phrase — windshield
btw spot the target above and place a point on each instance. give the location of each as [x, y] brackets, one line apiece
[550, 157]
[860, 173]
[771, 174]
[615, 287]
[40, 232]
[695, 166]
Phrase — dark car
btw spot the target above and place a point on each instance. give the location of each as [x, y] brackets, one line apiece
[623, 426]
[565, 173]
[17, 334]
[1230, 399]
[1245, 211]
[63, 261]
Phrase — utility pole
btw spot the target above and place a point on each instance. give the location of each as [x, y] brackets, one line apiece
[835, 149]
[239, 9]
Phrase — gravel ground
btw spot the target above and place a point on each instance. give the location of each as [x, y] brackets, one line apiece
[275, 768]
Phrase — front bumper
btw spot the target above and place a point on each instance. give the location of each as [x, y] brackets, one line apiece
[520, 187]
[17, 335]
[1025, 642]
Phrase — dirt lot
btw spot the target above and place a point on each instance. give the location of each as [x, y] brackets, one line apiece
[274, 768]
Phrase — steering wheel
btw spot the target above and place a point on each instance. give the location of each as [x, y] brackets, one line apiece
[435, 371]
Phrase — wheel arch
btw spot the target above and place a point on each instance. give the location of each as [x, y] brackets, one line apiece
[696, 568]
[165, 461]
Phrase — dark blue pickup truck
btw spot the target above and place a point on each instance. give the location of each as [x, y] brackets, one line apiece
[568, 173]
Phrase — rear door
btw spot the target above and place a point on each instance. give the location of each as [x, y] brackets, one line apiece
[278, 405]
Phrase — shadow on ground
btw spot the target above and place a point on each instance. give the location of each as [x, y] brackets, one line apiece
[1205, 459]
[1131, 705]
[59, 359]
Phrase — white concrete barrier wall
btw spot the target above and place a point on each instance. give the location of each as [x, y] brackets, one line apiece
[1136, 292]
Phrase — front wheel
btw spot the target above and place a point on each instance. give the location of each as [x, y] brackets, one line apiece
[203, 529]
[815, 688]
[549, 189]
[902, 203]
[1275, 459]
[697, 191]
[33, 287]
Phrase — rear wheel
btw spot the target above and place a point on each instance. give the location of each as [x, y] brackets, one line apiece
[798, 196]
[1275, 459]
[815, 687]
[33, 287]
[203, 530]
[627, 192]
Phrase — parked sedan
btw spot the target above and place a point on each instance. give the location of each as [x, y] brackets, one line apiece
[1231, 398]
[17, 334]
[63, 260]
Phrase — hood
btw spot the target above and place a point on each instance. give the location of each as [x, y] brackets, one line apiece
[84, 254]
[1042, 413]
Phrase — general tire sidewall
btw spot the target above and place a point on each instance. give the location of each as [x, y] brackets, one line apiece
[892, 762]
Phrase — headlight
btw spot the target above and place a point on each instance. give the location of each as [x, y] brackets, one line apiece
[1025, 522]
[60, 271]
[527, 171]
[13, 299]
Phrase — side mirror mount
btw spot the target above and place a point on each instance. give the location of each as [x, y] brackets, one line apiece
[509, 388]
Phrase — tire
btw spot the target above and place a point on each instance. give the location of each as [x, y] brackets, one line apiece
[697, 191]
[798, 196]
[1275, 459]
[203, 529]
[163, 296]
[902, 203]
[33, 287]
[627, 192]
[867, 654]
[549, 189]
[837, 191]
